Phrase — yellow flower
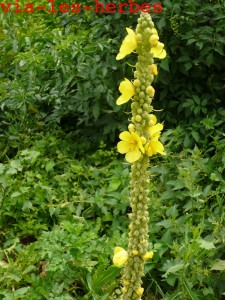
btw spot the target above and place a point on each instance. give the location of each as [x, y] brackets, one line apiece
[154, 145]
[131, 145]
[153, 40]
[153, 120]
[158, 51]
[153, 69]
[155, 130]
[140, 291]
[148, 255]
[120, 256]
[129, 44]
[156, 47]
[127, 90]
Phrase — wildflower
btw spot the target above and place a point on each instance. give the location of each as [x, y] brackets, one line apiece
[140, 291]
[158, 51]
[155, 130]
[156, 47]
[127, 90]
[131, 145]
[153, 69]
[129, 44]
[148, 255]
[120, 256]
[153, 120]
[154, 145]
[153, 40]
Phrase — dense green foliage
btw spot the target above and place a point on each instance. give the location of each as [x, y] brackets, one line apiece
[64, 195]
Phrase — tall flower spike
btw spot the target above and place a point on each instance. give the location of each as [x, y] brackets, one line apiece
[138, 144]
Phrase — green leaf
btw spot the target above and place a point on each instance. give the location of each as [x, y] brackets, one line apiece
[195, 135]
[2, 168]
[219, 265]
[96, 111]
[191, 294]
[21, 291]
[50, 166]
[165, 65]
[172, 267]
[205, 244]
[107, 276]
[114, 184]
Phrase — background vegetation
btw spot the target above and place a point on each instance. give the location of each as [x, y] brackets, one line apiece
[64, 188]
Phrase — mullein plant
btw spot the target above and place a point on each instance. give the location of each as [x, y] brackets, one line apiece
[138, 143]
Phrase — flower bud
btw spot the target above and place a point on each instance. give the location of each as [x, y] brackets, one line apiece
[126, 282]
[140, 291]
[150, 91]
[144, 24]
[143, 140]
[131, 127]
[153, 40]
[148, 255]
[135, 252]
[138, 118]
[137, 83]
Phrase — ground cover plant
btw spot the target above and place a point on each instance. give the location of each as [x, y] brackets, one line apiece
[64, 189]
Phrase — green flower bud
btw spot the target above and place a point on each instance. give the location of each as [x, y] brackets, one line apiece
[138, 118]
[137, 83]
[144, 24]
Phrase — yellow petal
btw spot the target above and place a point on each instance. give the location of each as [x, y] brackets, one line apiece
[148, 255]
[126, 136]
[127, 90]
[120, 257]
[123, 147]
[158, 52]
[154, 31]
[133, 155]
[153, 40]
[140, 291]
[148, 150]
[157, 147]
[138, 141]
[129, 44]
[153, 69]
[117, 249]
[153, 119]
[155, 129]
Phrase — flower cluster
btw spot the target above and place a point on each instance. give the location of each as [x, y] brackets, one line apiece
[132, 143]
